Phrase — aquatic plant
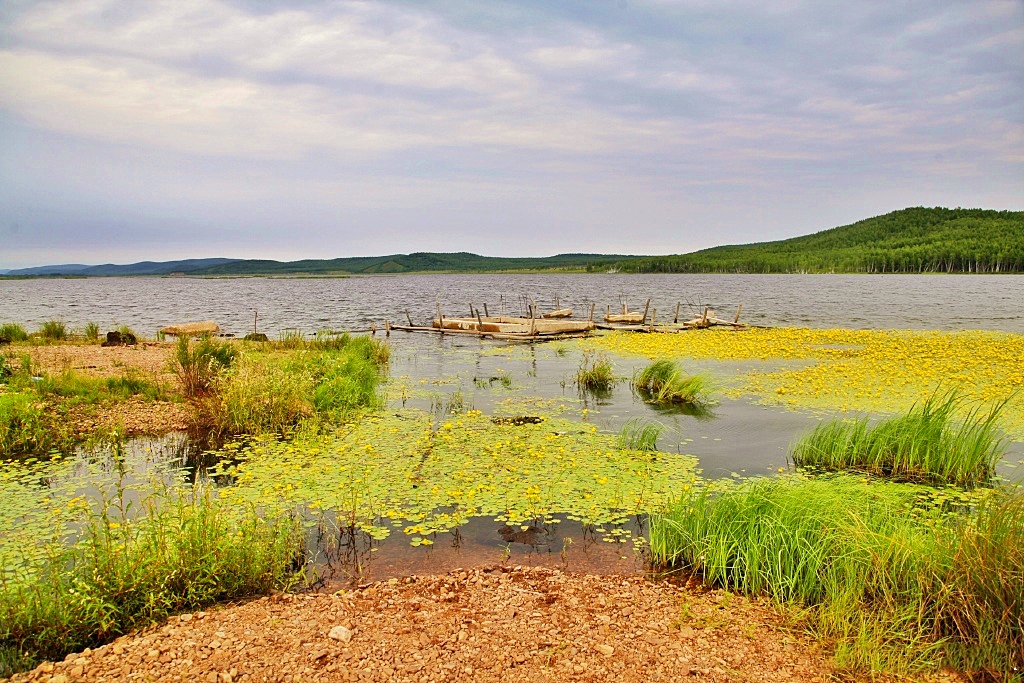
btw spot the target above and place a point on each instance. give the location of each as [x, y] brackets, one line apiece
[639, 434]
[13, 332]
[197, 364]
[595, 372]
[407, 470]
[24, 426]
[877, 371]
[664, 382]
[53, 330]
[880, 567]
[927, 444]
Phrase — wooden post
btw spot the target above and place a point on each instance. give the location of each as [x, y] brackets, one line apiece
[471, 310]
[408, 317]
[675, 320]
[486, 314]
[533, 322]
[440, 318]
[479, 322]
[737, 320]
[646, 306]
[255, 314]
[704, 318]
[624, 308]
[373, 328]
[654, 314]
[387, 328]
[590, 318]
[608, 311]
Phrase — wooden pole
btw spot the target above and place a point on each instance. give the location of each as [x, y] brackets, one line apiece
[471, 310]
[704, 318]
[533, 323]
[646, 306]
[590, 318]
[479, 322]
[387, 328]
[255, 314]
[608, 311]
[440, 318]
[654, 314]
[408, 317]
[676, 319]
[738, 310]
[373, 328]
[486, 314]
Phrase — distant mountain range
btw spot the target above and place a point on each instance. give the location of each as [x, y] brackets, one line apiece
[913, 240]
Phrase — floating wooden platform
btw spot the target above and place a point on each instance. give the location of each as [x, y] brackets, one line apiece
[192, 329]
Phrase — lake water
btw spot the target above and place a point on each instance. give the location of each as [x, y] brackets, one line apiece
[940, 302]
[736, 436]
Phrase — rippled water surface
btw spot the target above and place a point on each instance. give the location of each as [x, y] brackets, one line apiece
[943, 302]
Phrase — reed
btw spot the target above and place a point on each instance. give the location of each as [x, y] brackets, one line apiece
[595, 372]
[91, 331]
[892, 583]
[664, 382]
[936, 442]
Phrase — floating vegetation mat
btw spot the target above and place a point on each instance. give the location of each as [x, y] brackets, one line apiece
[859, 370]
[405, 471]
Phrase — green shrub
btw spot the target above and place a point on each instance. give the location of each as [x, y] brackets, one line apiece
[13, 332]
[91, 331]
[664, 382]
[928, 444]
[54, 330]
[198, 364]
[258, 395]
[179, 551]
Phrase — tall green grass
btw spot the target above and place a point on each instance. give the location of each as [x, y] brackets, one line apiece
[91, 331]
[179, 551]
[595, 372]
[13, 332]
[664, 382]
[26, 427]
[267, 391]
[935, 442]
[54, 330]
[197, 364]
[638, 434]
[892, 582]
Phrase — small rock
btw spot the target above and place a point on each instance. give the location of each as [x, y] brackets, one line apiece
[77, 671]
[46, 667]
[340, 633]
[686, 632]
[606, 650]
[212, 677]
[58, 678]
[185, 617]
[118, 649]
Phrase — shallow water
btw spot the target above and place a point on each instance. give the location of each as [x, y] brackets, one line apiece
[734, 437]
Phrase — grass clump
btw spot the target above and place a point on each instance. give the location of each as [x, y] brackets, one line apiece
[25, 426]
[638, 434]
[54, 330]
[198, 364]
[178, 551]
[892, 581]
[928, 444]
[13, 332]
[91, 331]
[270, 392]
[595, 372]
[664, 382]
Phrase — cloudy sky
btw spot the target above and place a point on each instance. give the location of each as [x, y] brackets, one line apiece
[190, 128]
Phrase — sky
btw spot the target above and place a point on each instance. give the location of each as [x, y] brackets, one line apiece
[172, 129]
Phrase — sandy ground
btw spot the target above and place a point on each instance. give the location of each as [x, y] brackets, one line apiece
[487, 624]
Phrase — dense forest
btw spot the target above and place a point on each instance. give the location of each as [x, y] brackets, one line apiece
[915, 240]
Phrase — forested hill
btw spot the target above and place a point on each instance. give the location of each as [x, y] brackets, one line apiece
[916, 240]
